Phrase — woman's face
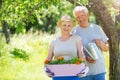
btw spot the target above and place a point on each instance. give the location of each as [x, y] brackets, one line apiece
[66, 27]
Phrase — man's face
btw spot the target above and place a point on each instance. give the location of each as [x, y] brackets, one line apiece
[82, 18]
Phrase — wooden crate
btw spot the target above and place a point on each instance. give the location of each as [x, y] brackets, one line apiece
[66, 69]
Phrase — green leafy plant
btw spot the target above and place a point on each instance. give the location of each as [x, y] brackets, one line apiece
[60, 60]
[19, 53]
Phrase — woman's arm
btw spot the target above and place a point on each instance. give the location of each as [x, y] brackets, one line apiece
[80, 49]
[50, 53]
[81, 53]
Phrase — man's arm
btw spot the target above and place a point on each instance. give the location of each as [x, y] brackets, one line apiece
[104, 46]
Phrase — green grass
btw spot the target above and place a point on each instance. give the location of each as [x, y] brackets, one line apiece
[106, 57]
[16, 68]
[36, 46]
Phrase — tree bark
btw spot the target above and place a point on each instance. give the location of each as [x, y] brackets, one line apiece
[5, 28]
[102, 14]
[6, 32]
[0, 3]
[108, 25]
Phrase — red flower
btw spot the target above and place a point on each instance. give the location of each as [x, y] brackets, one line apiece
[77, 62]
[46, 61]
[60, 58]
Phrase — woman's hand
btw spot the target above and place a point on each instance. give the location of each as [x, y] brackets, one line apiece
[83, 72]
[46, 61]
[48, 72]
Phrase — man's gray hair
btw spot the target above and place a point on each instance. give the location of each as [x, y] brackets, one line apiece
[80, 8]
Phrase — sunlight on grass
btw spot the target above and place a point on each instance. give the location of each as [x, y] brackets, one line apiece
[106, 57]
[17, 69]
[36, 46]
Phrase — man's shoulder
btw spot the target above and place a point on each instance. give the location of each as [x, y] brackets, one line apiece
[75, 30]
[75, 36]
[76, 27]
[94, 25]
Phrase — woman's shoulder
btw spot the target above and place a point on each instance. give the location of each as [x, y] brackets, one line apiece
[76, 37]
[54, 40]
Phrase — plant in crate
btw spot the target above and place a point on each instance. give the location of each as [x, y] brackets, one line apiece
[61, 67]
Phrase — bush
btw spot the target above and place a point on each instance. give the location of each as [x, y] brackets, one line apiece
[19, 53]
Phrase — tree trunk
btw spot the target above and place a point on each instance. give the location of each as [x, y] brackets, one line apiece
[5, 28]
[6, 31]
[103, 16]
[0, 3]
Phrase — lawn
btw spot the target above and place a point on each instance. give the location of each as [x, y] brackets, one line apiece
[16, 68]
[35, 47]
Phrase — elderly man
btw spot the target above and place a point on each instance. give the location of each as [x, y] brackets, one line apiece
[91, 33]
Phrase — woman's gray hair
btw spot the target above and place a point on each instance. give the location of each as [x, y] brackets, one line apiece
[80, 8]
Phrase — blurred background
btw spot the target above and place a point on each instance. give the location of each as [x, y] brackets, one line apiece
[26, 30]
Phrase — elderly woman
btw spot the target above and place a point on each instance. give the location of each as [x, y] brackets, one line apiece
[66, 45]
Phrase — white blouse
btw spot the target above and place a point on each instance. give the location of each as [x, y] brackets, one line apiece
[66, 49]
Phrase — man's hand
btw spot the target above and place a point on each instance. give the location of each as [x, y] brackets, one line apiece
[98, 42]
[89, 59]
[103, 46]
